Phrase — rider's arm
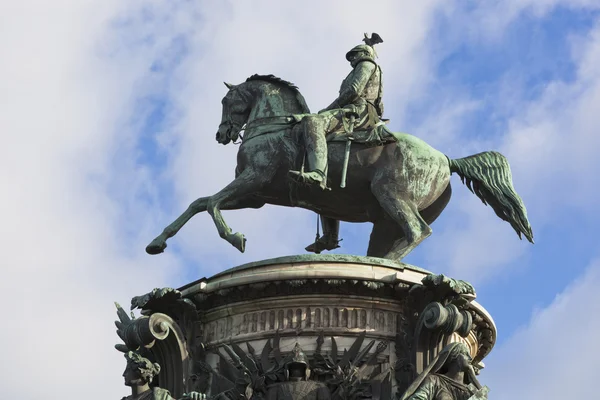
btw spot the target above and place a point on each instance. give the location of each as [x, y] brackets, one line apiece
[360, 77]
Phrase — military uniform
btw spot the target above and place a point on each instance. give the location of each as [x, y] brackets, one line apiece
[360, 97]
[297, 385]
[361, 91]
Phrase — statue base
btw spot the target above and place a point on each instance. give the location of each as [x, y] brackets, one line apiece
[327, 305]
[305, 327]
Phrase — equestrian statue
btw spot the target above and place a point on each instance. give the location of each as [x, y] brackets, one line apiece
[344, 164]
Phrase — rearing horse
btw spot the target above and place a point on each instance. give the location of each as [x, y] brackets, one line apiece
[400, 187]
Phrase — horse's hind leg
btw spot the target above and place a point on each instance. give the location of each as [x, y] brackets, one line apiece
[405, 214]
[385, 236]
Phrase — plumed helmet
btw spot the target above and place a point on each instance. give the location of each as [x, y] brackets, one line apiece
[298, 360]
[146, 368]
[361, 48]
[366, 48]
[298, 355]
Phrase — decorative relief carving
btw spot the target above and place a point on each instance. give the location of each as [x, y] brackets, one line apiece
[417, 321]
[160, 338]
[390, 310]
[451, 374]
[301, 318]
[447, 319]
[445, 311]
[485, 335]
[359, 371]
[255, 291]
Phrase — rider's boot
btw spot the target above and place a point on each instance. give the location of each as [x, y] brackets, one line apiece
[316, 148]
[329, 240]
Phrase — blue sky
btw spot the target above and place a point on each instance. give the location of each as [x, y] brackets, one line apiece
[108, 119]
[533, 52]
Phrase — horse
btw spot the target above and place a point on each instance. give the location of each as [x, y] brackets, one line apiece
[401, 187]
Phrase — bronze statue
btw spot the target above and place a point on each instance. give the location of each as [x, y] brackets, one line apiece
[359, 103]
[297, 384]
[394, 180]
[139, 374]
[358, 106]
[449, 377]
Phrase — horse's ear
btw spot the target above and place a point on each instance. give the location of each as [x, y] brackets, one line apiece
[229, 85]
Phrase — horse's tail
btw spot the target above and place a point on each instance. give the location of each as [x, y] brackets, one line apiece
[488, 176]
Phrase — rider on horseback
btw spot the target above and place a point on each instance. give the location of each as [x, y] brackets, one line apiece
[401, 186]
[360, 97]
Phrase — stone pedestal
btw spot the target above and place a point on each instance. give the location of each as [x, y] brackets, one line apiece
[296, 300]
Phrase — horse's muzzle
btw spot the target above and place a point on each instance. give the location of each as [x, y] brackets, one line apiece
[223, 137]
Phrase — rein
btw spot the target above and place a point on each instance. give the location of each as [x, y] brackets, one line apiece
[279, 120]
[262, 126]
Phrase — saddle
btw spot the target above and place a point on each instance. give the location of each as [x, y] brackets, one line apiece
[379, 135]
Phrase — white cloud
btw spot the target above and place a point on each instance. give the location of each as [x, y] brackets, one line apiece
[239, 39]
[494, 18]
[555, 356]
[474, 245]
[79, 205]
[555, 139]
[69, 178]
[550, 144]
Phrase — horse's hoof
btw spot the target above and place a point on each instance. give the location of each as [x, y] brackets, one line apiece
[156, 247]
[238, 241]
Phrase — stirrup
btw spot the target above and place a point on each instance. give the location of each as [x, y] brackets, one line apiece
[323, 244]
[308, 177]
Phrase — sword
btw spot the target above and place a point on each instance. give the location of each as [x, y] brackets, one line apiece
[349, 140]
[481, 394]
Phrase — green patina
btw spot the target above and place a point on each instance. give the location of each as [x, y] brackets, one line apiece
[318, 258]
[401, 184]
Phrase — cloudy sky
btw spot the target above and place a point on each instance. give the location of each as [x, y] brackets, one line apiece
[108, 114]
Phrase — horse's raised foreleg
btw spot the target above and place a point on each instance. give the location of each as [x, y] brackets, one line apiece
[243, 186]
[159, 244]
[404, 213]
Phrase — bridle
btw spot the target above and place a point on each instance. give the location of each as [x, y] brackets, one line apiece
[233, 125]
[256, 123]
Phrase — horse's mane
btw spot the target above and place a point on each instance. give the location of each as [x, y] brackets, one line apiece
[281, 82]
[272, 79]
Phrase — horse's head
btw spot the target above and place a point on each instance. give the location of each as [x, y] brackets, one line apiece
[236, 109]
